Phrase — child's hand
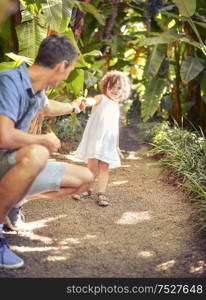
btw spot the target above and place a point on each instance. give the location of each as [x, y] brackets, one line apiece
[120, 153]
[90, 101]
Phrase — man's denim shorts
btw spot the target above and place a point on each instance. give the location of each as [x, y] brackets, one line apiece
[49, 179]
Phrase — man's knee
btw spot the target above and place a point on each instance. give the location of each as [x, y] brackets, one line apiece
[35, 157]
[86, 176]
[89, 176]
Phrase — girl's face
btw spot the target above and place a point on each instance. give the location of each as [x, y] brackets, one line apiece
[115, 91]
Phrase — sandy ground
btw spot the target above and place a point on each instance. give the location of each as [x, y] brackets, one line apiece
[146, 232]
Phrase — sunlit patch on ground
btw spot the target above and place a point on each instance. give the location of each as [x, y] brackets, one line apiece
[134, 217]
[119, 182]
[56, 258]
[34, 249]
[133, 156]
[199, 268]
[145, 254]
[71, 241]
[41, 223]
[36, 237]
[165, 266]
[72, 158]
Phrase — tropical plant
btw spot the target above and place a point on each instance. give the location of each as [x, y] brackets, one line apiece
[158, 43]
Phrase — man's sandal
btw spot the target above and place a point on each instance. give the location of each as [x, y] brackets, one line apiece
[82, 196]
[102, 199]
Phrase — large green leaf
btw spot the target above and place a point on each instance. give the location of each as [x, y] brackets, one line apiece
[56, 15]
[156, 58]
[30, 34]
[8, 65]
[152, 97]
[90, 79]
[93, 53]
[92, 10]
[75, 83]
[19, 58]
[191, 67]
[203, 83]
[186, 7]
[80, 62]
[191, 42]
[162, 38]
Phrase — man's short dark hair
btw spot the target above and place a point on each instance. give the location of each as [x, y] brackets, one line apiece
[55, 49]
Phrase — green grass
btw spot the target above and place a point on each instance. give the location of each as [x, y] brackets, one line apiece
[184, 154]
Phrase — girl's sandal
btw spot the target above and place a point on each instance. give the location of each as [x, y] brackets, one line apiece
[102, 199]
[82, 196]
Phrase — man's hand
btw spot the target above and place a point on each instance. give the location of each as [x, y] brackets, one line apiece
[79, 104]
[51, 142]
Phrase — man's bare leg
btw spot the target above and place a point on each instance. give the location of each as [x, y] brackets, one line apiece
[14, 185]
[76, 179]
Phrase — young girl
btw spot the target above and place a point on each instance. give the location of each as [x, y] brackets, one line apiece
[99, 146]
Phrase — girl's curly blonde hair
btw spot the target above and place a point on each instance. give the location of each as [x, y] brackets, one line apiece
[113, 77]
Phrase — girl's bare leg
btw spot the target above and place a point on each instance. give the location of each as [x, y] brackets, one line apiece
[103, 176]
[93, 166]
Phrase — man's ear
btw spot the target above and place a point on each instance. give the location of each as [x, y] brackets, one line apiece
[61, 66]
[64, 65]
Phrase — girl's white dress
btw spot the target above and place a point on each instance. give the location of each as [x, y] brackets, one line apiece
[101, 133]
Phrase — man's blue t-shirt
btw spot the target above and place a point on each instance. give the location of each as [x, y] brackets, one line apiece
[17, 99]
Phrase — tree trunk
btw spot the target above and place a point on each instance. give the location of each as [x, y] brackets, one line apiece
[78, 27]
[176, 89]
[107, 31]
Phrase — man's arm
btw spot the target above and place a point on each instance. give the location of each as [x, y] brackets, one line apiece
[56, 108]
[12, 138]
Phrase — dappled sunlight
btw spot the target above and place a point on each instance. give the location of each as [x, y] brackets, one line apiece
[120, 182]
[145, 254]
[126, 166]
[75, 241]
[55, 258]
[36, 237]
[166, 266]
[36, 225]
[59, 252]
[89, 237]
[134, 217]
[72, 241]
[41, 223]
[199, 268]
[133, 156]
[72, 158]
[34, 249]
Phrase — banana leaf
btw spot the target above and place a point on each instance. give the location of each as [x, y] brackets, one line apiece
[30, 34]
[191, 67]
[155, 60]
[162, 38]
[152, 97]
[75, 84]
[186, 7]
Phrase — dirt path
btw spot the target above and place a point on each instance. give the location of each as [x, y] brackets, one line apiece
[147, 232]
